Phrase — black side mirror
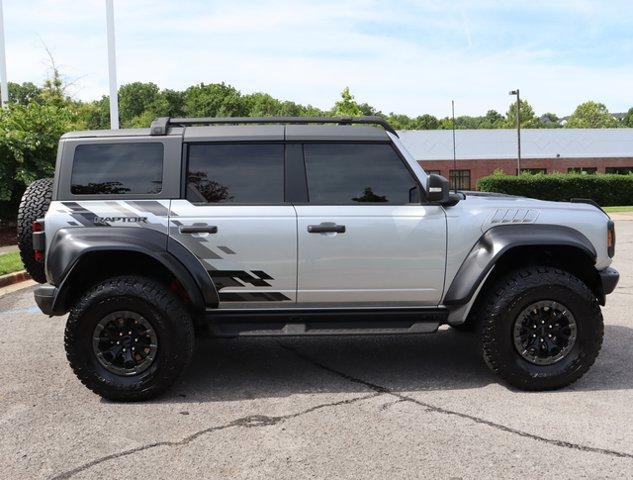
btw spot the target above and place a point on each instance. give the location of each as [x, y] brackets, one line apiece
[437, 189]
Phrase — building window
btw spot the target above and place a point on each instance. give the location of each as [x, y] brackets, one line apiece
[619, 170]
[583, 170]
[460, 179]
[533, 171]
[433, 172]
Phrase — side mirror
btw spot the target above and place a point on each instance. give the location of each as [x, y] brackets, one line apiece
[437, 189]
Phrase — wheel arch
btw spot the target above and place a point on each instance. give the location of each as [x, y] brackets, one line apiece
[79, 258]
[507, 247]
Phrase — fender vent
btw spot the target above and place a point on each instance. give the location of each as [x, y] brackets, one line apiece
[514, 215]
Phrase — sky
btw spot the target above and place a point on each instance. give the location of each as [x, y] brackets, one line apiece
[408, 57]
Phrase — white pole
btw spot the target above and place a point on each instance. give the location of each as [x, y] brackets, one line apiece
[114, 98]
[3, 64]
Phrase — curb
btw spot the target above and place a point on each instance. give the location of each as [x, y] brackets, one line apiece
[15, 277]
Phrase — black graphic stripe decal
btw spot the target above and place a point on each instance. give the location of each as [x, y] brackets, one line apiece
[83, 216]
[151, 206]
[242, 275]
[240, 278]
[252, 297]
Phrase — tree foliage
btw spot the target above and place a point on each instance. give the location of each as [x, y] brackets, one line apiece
[38, 115]
[592, 115]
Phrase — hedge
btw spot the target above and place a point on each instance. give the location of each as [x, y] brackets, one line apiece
[605, 189]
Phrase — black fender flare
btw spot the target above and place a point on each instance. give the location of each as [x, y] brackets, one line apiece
[497, 241]
[69, 245]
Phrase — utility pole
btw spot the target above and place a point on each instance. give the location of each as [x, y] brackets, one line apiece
[4, 98]
[516, 92]
[114, 96]
[454, 149]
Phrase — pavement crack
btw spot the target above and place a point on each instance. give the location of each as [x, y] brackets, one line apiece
[444, 411]
[250, 421]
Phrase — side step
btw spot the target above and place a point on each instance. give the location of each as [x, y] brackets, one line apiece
[385, 321]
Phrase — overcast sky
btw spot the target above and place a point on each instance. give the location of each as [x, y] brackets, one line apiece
[408, 57]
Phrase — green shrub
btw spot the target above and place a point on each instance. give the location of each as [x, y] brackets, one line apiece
[605, 189]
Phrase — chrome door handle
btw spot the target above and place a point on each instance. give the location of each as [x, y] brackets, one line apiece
[326, 228]
[198, 229]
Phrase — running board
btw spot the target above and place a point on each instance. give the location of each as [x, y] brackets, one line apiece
[386, 321]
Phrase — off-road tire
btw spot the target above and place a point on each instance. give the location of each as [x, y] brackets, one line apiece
[165, 313]
[508, 297]
[34, 204]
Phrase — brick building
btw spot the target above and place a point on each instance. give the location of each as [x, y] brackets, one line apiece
[481, 152]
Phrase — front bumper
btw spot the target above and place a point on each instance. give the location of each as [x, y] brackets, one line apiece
[609, 279]
[45, 296]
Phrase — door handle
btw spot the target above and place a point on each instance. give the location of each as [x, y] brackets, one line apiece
[198, 229]
[326, 228]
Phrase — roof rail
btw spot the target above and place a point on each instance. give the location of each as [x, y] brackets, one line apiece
[161, 125]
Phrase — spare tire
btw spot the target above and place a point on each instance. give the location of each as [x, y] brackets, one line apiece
[34, 204]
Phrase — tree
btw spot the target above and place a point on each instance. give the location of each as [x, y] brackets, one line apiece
[347, 106]
[214, 100]
[135, 99]
[591, 115]
[24, 93]
[627, 121]
[528, 119]
[427, 122]
[550, 120]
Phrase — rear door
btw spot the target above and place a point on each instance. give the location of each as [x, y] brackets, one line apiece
[363, 236]
[234, 218]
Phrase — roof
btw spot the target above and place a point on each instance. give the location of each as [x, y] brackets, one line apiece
[535, 143]
[224, 133]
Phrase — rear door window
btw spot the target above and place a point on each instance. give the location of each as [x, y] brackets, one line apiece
[236, 173]
[117, 168]
[356, 174]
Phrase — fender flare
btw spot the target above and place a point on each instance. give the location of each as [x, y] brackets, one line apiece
[498, 240]
[71, 244]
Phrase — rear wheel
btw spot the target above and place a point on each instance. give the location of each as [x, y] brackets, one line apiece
[541, 328]
[129, 338]
[34, 205]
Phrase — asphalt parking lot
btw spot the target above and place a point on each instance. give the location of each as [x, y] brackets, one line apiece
[349, 407]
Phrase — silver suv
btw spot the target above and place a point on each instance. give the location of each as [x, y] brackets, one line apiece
[300, 226]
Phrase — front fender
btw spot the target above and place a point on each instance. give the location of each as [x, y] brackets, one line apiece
[496, 241]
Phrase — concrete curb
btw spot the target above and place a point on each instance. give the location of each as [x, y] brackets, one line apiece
[15, 277]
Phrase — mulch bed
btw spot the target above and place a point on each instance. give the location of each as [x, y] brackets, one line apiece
[8, 236]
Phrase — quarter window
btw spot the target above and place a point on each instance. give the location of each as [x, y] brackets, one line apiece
[352, 174]
[236, 173]
[117, 168]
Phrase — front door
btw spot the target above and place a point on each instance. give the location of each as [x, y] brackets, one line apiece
[235, 221]
[363, 237]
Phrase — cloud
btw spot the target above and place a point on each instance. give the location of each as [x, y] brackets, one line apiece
[411, 57]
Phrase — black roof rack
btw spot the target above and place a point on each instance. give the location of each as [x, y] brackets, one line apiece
[161, 125]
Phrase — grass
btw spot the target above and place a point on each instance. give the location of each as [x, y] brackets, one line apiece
[626, 208]
[10, 262]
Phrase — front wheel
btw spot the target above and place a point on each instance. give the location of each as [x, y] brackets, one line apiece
[541, 328]
[129, 338]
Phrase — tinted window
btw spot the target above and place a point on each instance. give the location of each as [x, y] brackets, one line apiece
[117, 168]
[248, 173]
[356, 173]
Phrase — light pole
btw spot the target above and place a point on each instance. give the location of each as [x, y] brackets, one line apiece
[516, 92]
[3, 64]
[114, 97]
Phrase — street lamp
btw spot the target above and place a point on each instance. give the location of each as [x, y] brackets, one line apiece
[516, 92]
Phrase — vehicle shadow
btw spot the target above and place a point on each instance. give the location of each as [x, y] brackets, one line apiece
[251, 368]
